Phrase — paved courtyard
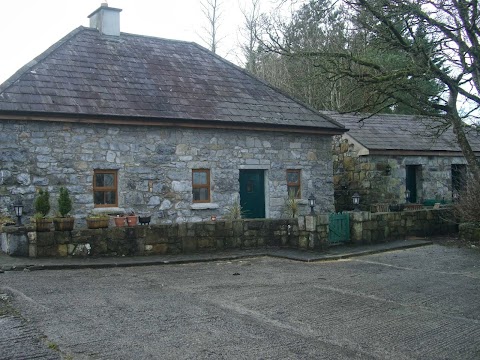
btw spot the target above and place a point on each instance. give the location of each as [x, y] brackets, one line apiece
[420, 303]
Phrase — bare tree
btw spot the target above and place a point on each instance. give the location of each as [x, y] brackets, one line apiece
[421, 54]
[211, 9]
[249, 32]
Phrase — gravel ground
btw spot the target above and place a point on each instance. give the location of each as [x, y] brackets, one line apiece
[418, 303]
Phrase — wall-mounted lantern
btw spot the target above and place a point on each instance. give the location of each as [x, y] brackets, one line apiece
[388, 169]
[407, 196]
[356, 201]
[18, 208]
[311, 202]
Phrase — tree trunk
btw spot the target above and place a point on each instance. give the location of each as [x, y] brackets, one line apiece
[459, 131]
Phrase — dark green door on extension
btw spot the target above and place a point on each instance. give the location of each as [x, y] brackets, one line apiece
[252, 193]
[411, 182]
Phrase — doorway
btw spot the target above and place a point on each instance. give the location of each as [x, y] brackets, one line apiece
[413, 181]
[252, 193]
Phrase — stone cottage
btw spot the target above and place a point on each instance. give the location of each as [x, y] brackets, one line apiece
[160, 126]
[384, 155]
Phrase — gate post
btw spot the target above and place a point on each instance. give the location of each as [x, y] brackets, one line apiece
[357, 220]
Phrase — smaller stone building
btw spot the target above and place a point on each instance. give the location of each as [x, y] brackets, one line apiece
[384, 155]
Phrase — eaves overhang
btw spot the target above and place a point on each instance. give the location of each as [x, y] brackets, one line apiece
[166, 122]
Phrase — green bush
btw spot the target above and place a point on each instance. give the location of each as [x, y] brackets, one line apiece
[64, 202]
[42, 202]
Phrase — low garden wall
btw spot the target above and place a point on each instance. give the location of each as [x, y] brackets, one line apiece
[306, 232]
[366, 227]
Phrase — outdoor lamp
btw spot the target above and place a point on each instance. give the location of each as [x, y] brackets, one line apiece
[407, 195]
[388, 169]
[356, 201]
[18, 208]
[311, 202]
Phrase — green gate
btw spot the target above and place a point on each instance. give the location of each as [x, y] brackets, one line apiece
[338, 228]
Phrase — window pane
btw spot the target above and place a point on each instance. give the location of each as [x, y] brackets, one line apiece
[204, 194]
[200, 194]
[110, 197]
[98, 197]
[104, 180]
[293, 177]
[99, 180]
[108, 180]
[196, 194]
[200, 178]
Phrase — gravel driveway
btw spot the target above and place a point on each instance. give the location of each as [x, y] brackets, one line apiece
[420, 303]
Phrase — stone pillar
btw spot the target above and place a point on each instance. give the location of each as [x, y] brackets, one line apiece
[15, 240]
[357, 220]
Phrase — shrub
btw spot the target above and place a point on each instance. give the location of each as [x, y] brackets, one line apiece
[235, 211]
[42, 202]
[64, 202]
[291, 205]
[467, 206]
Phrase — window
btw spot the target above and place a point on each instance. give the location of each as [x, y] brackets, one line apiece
[201, 185]
[293, 183]
[105, 188]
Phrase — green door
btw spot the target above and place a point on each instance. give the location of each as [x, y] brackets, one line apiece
[252, 193]
[411, 182]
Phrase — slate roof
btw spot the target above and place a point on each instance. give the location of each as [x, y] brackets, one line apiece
[136, 76]
[399, 132]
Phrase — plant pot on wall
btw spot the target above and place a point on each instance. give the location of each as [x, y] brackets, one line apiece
[145, 219]
[43, 225]
[64, 224]
[97, 223]
[119, 221]
[132, 220]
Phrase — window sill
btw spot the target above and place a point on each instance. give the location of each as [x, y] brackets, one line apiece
[108, 210]
[204, 206]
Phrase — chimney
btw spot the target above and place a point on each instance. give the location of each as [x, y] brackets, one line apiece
[106, 20]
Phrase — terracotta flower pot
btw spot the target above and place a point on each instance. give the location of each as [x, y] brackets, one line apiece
[64, 224]
[132, 220]
[119, 221]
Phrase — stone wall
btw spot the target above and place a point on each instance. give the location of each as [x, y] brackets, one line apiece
[306, 232]
[154, 166]
[168, 239]
[366, 227]
[368, 175]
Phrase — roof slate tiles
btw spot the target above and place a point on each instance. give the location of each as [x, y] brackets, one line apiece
[138, 76]
[399, 132]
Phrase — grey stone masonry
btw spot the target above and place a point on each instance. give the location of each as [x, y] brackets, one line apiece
[155, 166]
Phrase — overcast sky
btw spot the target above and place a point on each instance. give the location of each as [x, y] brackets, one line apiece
[29, 27]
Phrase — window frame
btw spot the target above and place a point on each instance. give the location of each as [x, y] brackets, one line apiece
[201, 186]
[105, 188]
[298, 184]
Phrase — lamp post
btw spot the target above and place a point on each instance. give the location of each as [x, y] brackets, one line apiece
[311, 202]
[18, 208]
[356, 201]
[407, 196]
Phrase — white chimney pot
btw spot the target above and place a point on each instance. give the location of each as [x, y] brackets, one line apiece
[106, 20]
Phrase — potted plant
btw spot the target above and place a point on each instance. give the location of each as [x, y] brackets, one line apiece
[97, 221]
[132, 219]
[64, 222]
[42, 208]
[119, 220]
